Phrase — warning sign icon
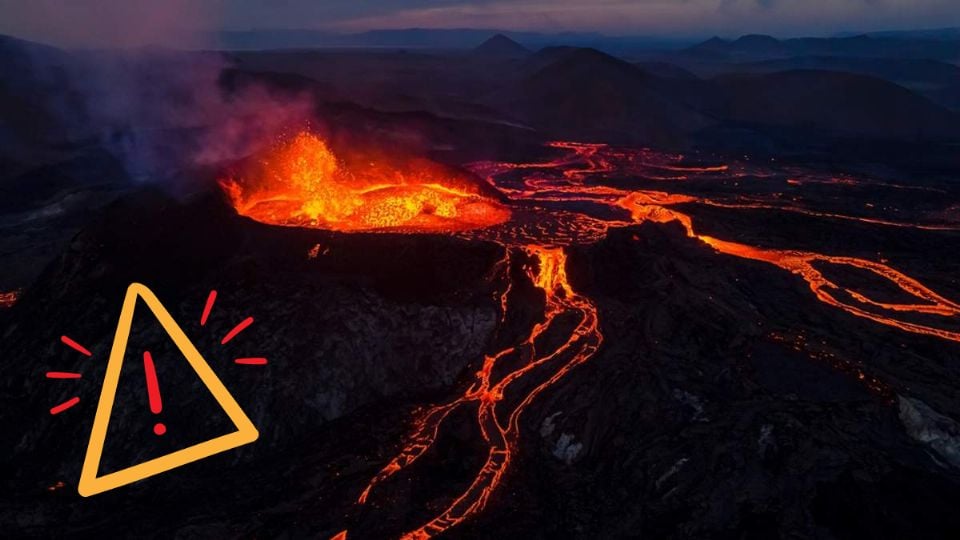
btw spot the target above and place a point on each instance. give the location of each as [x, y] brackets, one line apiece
[92, 484]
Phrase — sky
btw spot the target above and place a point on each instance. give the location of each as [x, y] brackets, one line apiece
[136, 22]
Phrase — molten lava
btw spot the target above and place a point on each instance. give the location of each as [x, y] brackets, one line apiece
[302, 183]
[501, 428]
[568, 200]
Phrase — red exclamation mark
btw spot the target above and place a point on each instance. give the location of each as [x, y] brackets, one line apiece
[153, 391]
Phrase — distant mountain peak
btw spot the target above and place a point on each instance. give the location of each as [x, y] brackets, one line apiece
[593, 56]
[758, 43]
[714, 44]
[501, 45]
[715, 40]
[757, 39]
[576, 62]
[748, 44]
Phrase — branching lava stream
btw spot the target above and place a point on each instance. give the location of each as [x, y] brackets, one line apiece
[550, 205]
[501, 433]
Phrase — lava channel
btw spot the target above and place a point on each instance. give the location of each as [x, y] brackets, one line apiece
[501, 428]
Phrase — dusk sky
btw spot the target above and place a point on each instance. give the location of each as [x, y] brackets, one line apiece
[141, 21]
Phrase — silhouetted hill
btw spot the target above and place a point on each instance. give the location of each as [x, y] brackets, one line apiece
[866, 46]
[544, 57]
[938, 81]
[892, 69]
[432, 38]
[753, 45]
[12, 48]
[502, 47]
[712, 45]
[589, 92]
[34, 94]
[837, 103]
[932, 33]
[765, 47]
[589, 95]
[759, 44]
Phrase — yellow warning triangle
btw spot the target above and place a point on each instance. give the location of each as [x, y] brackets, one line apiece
[90, 483]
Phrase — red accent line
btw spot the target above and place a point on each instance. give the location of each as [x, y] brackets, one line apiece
[65, 405]
[62, 375]
[207, 307]
[153, 389]
[236, 330]
[75, 346]
[251, 361]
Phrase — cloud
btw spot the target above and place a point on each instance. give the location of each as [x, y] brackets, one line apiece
[101, 23]
[174, 21]
[670, 16]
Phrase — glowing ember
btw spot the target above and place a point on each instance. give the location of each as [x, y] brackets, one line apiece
[8, 299]
[302, 183]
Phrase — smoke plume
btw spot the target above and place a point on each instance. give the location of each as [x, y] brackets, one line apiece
[158, 109]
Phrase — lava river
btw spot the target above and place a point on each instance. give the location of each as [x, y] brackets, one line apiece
[535, 210]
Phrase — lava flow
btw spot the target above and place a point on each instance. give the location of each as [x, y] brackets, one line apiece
[501, 428]
[550, 204]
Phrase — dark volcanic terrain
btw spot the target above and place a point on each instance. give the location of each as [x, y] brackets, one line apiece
[736, 315]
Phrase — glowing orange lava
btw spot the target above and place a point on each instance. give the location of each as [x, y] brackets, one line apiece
[655, 206]
[302, 183]
[500, 428]
[801, 264]
[552, 204]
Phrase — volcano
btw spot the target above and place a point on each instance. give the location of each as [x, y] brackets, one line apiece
[562, 296]
[502, 47]
[469, 371]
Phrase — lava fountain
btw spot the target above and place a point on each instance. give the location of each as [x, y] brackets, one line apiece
[302, 183]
